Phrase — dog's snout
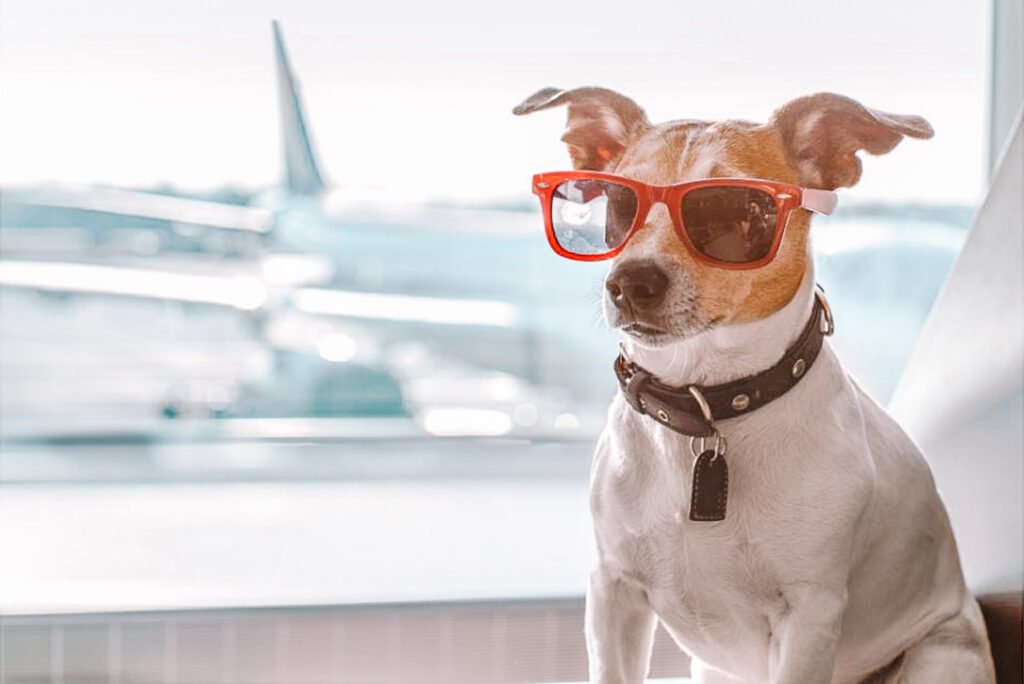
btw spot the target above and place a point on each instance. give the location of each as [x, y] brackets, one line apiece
[638, 285]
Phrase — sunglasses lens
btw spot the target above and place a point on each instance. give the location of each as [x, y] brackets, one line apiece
[592, 217]
[734, 225]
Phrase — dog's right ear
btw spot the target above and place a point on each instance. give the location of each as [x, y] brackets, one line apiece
[601, 123]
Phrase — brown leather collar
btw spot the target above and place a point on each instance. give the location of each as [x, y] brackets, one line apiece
[692, 409]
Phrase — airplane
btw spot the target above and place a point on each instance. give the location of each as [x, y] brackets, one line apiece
[456, 316]
[431, 293]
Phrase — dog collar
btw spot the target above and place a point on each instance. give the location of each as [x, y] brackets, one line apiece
[692, 409]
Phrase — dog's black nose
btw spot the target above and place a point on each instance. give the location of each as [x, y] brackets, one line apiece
[638, 285]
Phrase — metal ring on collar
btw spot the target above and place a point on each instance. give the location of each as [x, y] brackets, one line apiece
[719, 444]
[705, 408]
[623, 353]
[828, 326]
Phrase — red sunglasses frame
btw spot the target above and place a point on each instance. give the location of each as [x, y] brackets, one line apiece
[787, 198]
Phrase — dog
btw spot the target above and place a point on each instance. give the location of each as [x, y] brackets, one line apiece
[823, 553]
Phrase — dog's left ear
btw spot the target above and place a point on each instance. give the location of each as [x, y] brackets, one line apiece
[823, 132]
[601, 123]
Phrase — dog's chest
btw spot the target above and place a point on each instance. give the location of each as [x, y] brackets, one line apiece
[712, 584]
[688, 566]
[712, 588]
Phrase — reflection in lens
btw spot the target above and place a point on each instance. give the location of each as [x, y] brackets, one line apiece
[592, 217]
[735, 225]
[575, 214]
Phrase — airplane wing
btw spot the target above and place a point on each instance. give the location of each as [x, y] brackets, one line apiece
[147, 205]
[249, 293]
[241, 292]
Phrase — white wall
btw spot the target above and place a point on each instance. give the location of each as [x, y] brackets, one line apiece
[960, 396]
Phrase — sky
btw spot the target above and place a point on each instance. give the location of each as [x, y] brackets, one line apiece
[414, 98]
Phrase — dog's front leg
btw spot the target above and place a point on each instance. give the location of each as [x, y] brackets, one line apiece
[620, 629]
[804, 635]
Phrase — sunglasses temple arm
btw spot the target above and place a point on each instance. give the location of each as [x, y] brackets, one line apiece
[820, 201]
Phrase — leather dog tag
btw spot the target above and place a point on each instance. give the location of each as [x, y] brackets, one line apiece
[710, 490]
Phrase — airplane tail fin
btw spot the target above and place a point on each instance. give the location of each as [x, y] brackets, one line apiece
[301, 169]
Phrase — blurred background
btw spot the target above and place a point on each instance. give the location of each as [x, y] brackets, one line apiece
[292, 387]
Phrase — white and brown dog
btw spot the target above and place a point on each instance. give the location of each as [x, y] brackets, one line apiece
[835, 561]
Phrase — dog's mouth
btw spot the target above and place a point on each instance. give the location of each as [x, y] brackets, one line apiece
[644, 332]
[657, 336]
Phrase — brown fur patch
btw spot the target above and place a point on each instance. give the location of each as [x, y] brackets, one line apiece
[679, 151]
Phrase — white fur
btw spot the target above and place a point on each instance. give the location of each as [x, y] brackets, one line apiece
[835, 557]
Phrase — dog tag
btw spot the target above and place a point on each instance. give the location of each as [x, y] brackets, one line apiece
[710, 487]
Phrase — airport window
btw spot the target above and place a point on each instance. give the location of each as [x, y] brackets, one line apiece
[357, 378]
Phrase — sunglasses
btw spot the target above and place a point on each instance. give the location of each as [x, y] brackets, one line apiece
[727, 222]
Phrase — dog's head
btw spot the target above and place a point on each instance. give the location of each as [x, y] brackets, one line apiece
[656, 290]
